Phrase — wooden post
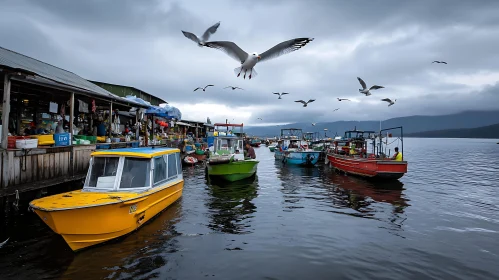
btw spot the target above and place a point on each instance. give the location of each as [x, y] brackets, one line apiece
[110, 119]
[5, 130]
[71, 114]
[5, 111]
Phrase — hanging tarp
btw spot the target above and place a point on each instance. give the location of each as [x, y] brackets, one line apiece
[163, 111]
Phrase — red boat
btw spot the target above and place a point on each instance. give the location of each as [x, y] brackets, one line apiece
[349, 154]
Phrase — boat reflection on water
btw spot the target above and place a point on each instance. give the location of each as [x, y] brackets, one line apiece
[230, 205]
[370, 199]
[139, 253]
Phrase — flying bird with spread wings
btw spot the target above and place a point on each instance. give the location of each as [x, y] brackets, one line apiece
[233, 88]
[313, 124]
[436, 61]
[260, 119]
[336, 109]
[364, 89]
[341, 99]
[204, 89]
[280, 94]
[202, 41]
[248, 61]
[305, 103]
[389, 101]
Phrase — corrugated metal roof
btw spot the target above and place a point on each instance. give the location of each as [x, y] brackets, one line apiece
[13, 60]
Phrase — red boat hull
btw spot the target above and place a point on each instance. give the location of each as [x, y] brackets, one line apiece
[370, 168]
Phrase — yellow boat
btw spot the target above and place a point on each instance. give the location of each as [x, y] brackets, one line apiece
[118, 195]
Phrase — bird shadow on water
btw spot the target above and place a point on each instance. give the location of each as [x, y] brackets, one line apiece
[230, 206]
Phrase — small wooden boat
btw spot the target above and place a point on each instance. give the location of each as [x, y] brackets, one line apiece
[350, 156]
[294, 150]
[227, 159]
[124, 189]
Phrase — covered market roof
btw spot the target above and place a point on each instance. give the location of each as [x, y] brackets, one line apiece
[49, 75]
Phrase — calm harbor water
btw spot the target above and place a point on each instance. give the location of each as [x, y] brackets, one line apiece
[440, 222]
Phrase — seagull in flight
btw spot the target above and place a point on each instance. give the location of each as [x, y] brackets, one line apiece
[260, 119]
[436, 61]
[389, 101]
[364, 89]
[305, 103]
[202, 41]
[280, 94]
[233, 88]
[248, 61]
[336, 109]
[313, 124]
[204, 89]
[341, 99]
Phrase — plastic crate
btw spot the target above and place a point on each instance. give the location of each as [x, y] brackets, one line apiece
[62, 139]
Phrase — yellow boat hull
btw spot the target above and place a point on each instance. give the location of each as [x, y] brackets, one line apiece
[86, 219]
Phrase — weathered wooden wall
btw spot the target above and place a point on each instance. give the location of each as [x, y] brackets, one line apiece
[41, 168]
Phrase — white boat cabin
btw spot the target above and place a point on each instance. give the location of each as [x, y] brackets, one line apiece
[131, 170]
[230, 146]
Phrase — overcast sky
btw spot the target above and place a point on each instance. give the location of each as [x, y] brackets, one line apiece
[386, 42]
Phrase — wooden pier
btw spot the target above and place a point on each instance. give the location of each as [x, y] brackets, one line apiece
[30, 169]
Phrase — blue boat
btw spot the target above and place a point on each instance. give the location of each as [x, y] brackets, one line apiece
[291, 149]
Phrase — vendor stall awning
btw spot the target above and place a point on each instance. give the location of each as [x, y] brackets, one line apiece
[183, 123]
[46, 74]
[163, 111]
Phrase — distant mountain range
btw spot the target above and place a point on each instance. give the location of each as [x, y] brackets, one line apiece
[490, 131]
[410, 124]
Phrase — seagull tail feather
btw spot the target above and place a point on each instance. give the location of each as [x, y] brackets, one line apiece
[238, 70]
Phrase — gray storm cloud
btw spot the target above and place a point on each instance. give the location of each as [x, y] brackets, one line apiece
[389, 43]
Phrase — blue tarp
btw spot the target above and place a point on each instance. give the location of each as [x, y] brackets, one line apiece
[166, 111]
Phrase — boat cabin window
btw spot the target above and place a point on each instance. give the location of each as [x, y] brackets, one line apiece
[103, 172]
[135, 173]
[172, 166]
[160, 169]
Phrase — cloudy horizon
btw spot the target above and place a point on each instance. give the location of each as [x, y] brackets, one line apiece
[388, 43]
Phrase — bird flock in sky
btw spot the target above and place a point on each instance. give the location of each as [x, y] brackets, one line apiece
[248, 61]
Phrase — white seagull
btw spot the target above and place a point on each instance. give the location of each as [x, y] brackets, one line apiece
[202, 41]
[305, 103]
[364, 89]
[260, 119]
[204, 89]
[280, 94]
[249, 61]
[341, 99]
[436, 61]
[389, 101]
[233, 88]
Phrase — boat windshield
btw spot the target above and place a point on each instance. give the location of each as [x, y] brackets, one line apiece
[103, 172]
[136, 173]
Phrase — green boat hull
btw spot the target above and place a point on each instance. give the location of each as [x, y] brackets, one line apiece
[233, 171]
[272, 149]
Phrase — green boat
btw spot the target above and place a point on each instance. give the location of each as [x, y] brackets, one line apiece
[227, 160]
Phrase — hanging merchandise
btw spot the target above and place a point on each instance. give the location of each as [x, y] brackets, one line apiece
[83, 107]
[63, 110]
[94, 108]
[53, 107]
[116, 123]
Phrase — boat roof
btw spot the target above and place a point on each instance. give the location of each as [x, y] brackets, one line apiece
[228, 124]
[143, 152]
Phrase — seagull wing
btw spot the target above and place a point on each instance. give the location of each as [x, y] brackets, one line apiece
[229, 48]
[386, 99]
[436, 61]
[444, 62]
[284, 93]
[376, 87]
[301, 101]
[197, 88]
[191, 36]
[276, 93]
[209, 31]
[362, 83]
[284, 48]
[227, 87]
[239, 88]
[209, 86]
[311, 100]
